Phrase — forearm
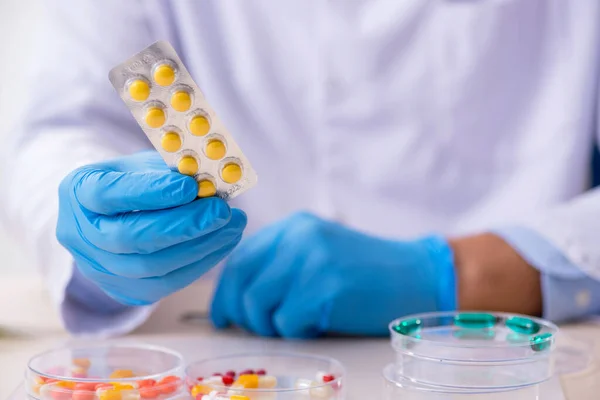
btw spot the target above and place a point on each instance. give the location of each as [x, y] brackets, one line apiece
[491, 275]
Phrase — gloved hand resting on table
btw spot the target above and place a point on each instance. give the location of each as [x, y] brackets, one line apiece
[136, 229]
[305, 276]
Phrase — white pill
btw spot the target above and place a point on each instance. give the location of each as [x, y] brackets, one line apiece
[321, 392]
[267, 382]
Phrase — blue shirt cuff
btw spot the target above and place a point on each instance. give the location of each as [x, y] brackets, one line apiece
[568, 293]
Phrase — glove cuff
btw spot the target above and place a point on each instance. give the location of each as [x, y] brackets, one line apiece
[444, 272]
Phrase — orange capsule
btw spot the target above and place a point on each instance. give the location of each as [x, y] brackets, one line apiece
[86, 386]
[168, 384]
[104, 386]
[146, 383]
[149, 392]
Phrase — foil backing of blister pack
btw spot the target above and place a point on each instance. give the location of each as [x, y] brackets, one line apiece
[140, 70]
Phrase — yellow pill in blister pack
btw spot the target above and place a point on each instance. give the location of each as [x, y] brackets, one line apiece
[231, 173]
[171, 142]
[139, 90]
[155, 117]
[181, 101]
[188, 165]
[199, 125]
[206, 188]
[215, 149]
[164, 75]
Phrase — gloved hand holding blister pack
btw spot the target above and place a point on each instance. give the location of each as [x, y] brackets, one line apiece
[144, 226]
[305, 276]
[136, 229]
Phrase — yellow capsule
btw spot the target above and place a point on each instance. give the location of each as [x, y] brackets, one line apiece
[200, 389]
[248, 381]
[109, 394]
[239, 397]
[199, 125]
[215, 149]
[66, 384]
[164, 75]
[181, 101]
[188, 165]
[123, 386]
[206, 188]
[231, 173]
[171, 142]
[139, 90]
[155, 117]
[121, 373]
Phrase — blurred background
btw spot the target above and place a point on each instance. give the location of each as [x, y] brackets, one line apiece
[20, 286]
[16, 20]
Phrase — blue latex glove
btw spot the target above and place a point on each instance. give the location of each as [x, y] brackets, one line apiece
[305, 276]
[136, 229]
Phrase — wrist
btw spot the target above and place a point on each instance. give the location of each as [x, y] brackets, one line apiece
[492, 276]
[444, 272]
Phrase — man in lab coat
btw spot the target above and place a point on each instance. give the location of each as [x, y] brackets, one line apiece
[439, 152]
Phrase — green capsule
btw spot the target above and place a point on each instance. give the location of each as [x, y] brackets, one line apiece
[475, 320]
[474, 334]
[541, 342]
[522, 325]
[408, 327]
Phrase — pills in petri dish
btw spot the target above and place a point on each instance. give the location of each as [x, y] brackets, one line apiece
[188, 165]
[155, 117]
[181, 101]
[475, 320]
[164, 75]
[408, 327]
[541, 342]
[139, 90]
[178, 120]
[207, 189]
[215, 149]
[523, 325]
[171, 142]
[199, 125]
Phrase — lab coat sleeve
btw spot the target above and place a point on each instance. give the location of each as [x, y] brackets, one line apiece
[74, 117]
[568, 293]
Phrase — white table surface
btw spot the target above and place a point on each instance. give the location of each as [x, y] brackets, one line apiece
[363, 358]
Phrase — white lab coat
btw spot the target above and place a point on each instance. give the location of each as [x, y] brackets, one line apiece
[394, 117]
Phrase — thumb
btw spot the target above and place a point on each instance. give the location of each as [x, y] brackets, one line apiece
[110, 192]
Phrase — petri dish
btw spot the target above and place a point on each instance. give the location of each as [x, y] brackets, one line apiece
[473, 350]
[273, 376]
[397, 387]
[106, 373]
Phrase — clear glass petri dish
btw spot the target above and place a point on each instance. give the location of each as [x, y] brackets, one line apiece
[476, 350]
[396, 387]
[106, 373]
[266, 376]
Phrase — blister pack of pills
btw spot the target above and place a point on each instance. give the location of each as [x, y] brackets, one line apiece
[182, 126]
